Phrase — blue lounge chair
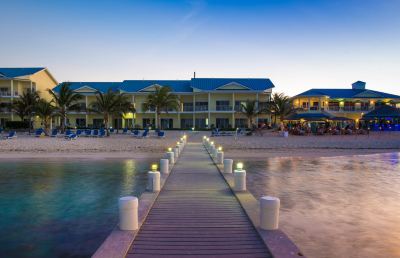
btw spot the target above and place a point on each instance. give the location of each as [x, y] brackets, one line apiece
[38, 132]
[71, 136]
[112, 130]
[54, 133]
[88, 132]
[78, 132]
[11, 135]
[102, 133]
[68, 132]
[95, 133]
[125, 131]
[161, 134]
[145, 134]
[135, 133]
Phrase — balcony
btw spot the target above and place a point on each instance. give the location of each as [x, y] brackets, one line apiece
[223, 108]
[187, 109]
[202, 108]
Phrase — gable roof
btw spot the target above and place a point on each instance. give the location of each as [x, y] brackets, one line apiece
[100, 86]
[209, 84]
[18, 72]
[138, 85]
[346, 93]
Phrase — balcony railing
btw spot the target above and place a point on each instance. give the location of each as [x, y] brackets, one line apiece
[187, 109]
[223, 108]
[201, 108]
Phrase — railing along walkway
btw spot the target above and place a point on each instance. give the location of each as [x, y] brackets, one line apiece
[197, 215]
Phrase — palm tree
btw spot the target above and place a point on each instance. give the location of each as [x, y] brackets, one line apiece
[45, 110]
[160, 100]
[65, 99]
[281, 106]
[25, 105]
[251, 109]
[111, 103]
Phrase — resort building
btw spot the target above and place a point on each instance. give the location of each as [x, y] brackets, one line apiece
[347, 103]
[15, 81]
[205, 102]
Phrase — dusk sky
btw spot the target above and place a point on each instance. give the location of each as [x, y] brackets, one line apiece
[297, 44]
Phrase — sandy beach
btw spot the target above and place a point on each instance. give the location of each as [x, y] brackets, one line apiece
[268, 145]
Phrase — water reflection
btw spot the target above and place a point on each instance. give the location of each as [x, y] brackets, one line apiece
[63, 209]
[337, 206]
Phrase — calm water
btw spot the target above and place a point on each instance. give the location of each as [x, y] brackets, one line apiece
[63, 209]
[337, 206]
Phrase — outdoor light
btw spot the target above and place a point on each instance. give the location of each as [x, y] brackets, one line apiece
[154, 167]
[239, 166]
[192, 128]
[212, 143]
[184, 136]
[177, 143]
[220, 148]
[208, 139]
[182, 139]
[204, 137]
[169, 149]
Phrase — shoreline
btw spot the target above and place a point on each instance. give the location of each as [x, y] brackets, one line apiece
[238, 153]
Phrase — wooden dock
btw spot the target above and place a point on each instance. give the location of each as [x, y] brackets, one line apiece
[197, 215]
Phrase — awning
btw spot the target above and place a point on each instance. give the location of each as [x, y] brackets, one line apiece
[382, 112]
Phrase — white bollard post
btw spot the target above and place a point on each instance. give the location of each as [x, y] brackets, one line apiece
[269, 212]
[239, 180]
[153, 183]
[128, 213]
[164, 168]
[228, 163]
[170, 157]
[176, 153]
[220, 157]
[211, 149]
[215, 152]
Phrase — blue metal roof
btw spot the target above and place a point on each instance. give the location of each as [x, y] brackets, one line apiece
[138, 85]
[209, 84]
[346, 93]
[100, 86]
[17, 72]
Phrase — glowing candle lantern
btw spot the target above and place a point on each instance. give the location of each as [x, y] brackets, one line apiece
[220, 148]
[239, 166]
[169, 149]
[154, 167]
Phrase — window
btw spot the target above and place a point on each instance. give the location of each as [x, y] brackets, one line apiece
[186, 123]
[129, 123]
[80, 122]
[97, 123]
[200, 123]
[222, 123]
[241, 123]
[223, 105]
[238, 105]
[201, 106]
[167, 123]
[187, 107]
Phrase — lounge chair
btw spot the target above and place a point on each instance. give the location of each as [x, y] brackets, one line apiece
[125, 131]
[71, 136]
[135, 133]
[38, 132]
[11, 135]
[161, 134]
[95, 133]
[68, 132]
[54, 133]
[102, 133]
[88, 132]
[112, 130]
[144, 134]
[78, 132]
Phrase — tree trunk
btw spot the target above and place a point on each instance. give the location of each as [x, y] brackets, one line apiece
[106, 124]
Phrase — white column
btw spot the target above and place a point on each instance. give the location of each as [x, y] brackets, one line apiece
[164, 168]
[239, 180]
[220, 157]
[228, 163]
[153, 183]
[31, 86]
[12, 99]
[209, 107]
[194, 108]
[128, 213]
[269, 212]
[233, 110]
[257, 99]
[86, 113]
